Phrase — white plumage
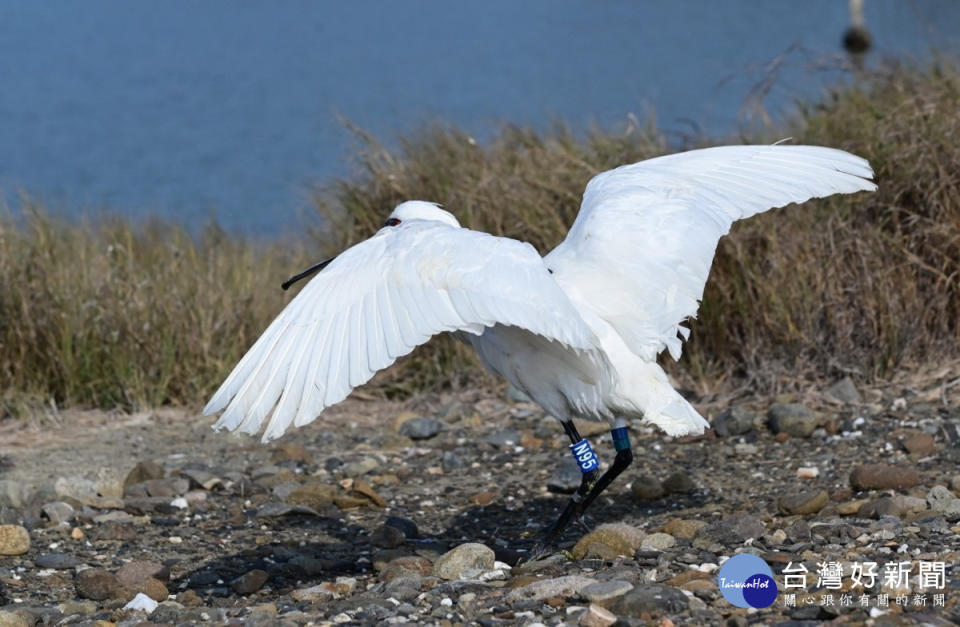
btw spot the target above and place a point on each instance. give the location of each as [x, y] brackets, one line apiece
[577, 330]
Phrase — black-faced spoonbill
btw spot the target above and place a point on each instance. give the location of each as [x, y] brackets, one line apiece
[578, 330]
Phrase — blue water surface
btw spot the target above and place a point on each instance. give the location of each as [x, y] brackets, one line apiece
[232, 109]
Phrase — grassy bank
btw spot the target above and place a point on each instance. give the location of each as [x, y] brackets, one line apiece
[107, 314]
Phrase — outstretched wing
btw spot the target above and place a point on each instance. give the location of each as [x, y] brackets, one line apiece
[641, 247]
[376, 302]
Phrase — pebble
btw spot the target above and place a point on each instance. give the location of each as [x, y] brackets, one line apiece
[736, 420]
[83, 608]
[604, 592]
[143, 471]
[652, 599]
[14, 540]
[57, 561]
[878, 508]
[566, 586]
[96, 584]
[609, 540]
[407, 526]
[142, 602]
[133, 573]
[387, 537]
[805, 502]
[731, 531]
[313, 594]
[466, 560]
[249, 582]
[451, 461]
[566, 476]
[14, 619]
[793, 419]
[421, 428]
[313, 495]
[883, 477]
[845, 391]
[59, 512]
[361, 467]
[646, 488]
[406, 566]
[290, 452]
[681, 528]
[658, 541]
[920, 445]
[679, 483]
[596, 616]
[943, 501]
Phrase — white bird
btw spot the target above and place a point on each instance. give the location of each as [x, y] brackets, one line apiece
[578, 330]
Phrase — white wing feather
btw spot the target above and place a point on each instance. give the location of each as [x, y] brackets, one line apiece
[379, 300]
[640, 250]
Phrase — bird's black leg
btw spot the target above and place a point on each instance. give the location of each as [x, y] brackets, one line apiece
[590, 467]
[621, 442]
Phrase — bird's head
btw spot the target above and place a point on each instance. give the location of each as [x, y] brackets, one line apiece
[420, 210]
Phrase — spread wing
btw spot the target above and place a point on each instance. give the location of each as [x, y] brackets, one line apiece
[641, 247]
[379, 300]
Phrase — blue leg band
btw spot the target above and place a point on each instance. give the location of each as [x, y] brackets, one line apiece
[621, 439]
[585, 456]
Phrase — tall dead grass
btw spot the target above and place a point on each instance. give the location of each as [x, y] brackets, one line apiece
[108, 314]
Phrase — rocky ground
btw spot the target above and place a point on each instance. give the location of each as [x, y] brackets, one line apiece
[388, 513]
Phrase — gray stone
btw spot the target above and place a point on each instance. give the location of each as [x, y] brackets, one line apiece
[731, 531]
[567, 586]
[466, 560]
[79, 488]
[142, 471]
[15, 493]
[793, 419]
[83, 608]
[845, 391]
[566, 476]
[58, 561]
[604, 591]
[59, 512]
[501, 439]
[878, 508]
[451, 461]
[653, 599]
[134, 573]
[421, 428]
[646, 488]
[736, 420]
[361, 467]
[658, 541]
[15, 619]
[943, 501]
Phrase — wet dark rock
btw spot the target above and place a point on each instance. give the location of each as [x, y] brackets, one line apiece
[332, 463]
[793, 419]
[421, 428]
[387, 537]
[647, 488]
[652, 599]
[57, 561]
[883, 477]
[736, 420]
[407, 526]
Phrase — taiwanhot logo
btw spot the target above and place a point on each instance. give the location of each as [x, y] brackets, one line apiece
[746, 580]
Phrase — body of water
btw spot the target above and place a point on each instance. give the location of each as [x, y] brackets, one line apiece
[192, 109]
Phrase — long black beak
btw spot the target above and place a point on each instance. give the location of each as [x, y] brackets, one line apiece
[314, 268]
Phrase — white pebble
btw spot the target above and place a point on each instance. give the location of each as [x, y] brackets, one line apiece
[175, 540]
[141, 602]
[179, 503]
[446, 602]
[808, 472]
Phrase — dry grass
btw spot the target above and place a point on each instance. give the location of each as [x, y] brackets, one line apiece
[107, 315]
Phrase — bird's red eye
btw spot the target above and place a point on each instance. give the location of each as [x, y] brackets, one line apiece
[392, 222]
